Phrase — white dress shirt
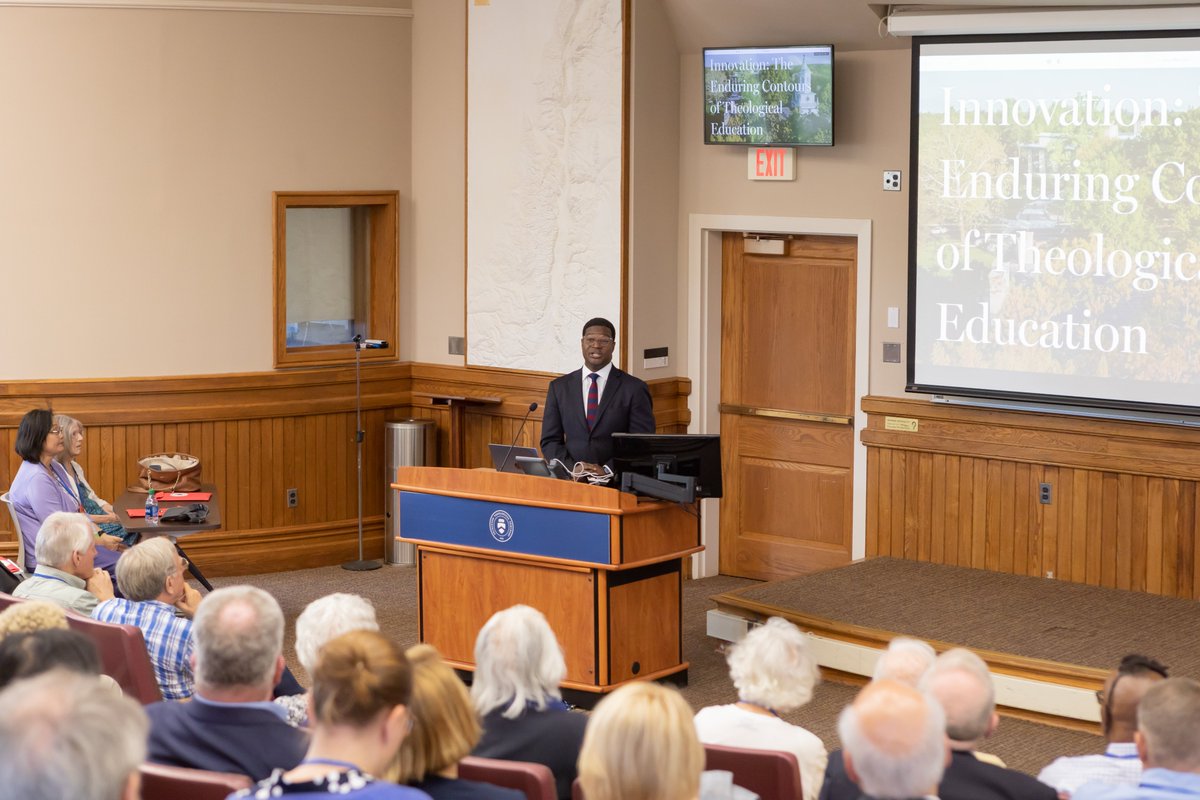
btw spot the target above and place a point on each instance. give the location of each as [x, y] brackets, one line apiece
[603, 372]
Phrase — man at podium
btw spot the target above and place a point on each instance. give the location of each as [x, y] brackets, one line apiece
[586, 407]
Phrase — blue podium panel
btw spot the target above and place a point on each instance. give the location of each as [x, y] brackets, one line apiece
[506, 528]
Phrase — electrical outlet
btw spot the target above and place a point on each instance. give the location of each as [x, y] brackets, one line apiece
[891, 180]
[293, 498]
[1045, 494]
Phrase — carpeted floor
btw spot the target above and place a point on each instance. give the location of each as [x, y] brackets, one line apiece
[1016, 614]
[1024, 745]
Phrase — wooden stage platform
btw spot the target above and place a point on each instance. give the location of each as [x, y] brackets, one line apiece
[1049, 643]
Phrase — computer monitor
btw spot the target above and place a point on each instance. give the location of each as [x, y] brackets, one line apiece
[677, 467]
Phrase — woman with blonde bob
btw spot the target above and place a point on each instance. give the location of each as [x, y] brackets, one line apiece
[641, 744]
[445, 728]
[774, 673]
[359, 709]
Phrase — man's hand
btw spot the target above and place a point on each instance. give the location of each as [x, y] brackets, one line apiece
[100, 584]
[187, 604]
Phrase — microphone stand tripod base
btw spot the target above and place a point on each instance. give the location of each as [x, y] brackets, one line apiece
[362, 566]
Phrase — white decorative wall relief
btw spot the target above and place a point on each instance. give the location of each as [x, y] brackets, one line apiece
[544, 168]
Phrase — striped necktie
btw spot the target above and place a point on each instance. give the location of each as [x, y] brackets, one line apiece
[593, 401]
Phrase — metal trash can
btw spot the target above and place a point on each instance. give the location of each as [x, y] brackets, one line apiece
[408, 443]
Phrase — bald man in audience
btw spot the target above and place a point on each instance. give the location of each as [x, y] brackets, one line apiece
[1119, 764]
[66, 571]
[895, 747]
[960, 681]
[906, 660]
[159, 601]
[1168, 742]
[62, 736]
[230, 724]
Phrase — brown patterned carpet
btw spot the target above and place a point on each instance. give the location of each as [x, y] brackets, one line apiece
[1024, 745]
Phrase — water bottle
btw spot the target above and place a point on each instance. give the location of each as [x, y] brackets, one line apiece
[152, 508]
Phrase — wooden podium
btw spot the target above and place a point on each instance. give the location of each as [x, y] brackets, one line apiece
[605, 569]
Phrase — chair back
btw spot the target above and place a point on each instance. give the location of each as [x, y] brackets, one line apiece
[16, 521]
[771, 774]
[160, 782]
[535, 780]
[7, 600]
[123, 654]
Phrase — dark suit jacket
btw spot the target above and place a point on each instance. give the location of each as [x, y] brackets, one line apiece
[249, 741]
[625, 407]
[967, 778]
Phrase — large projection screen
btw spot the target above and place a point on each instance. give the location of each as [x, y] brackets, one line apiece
[1055, 219]
[544, 178]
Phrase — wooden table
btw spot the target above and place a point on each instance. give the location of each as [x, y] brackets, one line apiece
[130, 499]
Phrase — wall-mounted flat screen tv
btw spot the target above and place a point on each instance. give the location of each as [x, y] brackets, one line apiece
[1055, 219]
[777, 96]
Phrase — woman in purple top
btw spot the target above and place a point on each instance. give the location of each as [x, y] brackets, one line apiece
[42, 486]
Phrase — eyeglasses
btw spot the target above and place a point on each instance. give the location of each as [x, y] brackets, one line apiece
[56, 431]
[597, 341]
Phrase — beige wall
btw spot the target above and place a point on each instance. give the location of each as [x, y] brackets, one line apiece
[138, 155]
[147, 148]
[654, 192]
[843, 181]
[437, 284]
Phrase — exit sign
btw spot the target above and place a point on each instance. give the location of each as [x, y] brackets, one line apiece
[771, 164]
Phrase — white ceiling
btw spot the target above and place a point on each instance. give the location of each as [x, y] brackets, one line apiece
[846, 24]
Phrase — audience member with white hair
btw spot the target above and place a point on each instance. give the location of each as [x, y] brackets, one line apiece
[907, 661]
[62, 736]
[774, 673]
[894, 742]
[1168, 742]
[641, 744]
[518, 667]
[158, 600]
[30, 616]
[231, 725]
[960, 681]
[66, 571]
[321, 621]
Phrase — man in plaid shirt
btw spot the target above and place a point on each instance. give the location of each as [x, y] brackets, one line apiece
[159, 601]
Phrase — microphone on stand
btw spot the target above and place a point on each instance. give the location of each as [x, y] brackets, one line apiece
[511, 447]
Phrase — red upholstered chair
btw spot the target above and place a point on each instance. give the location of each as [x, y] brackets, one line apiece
[576, 790]
[160, 782]
[123, 654]
[771, 774]
[535, 780]
[7, 600]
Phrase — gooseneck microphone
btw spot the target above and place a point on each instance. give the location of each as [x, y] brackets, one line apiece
[511, 447]
[369, 344]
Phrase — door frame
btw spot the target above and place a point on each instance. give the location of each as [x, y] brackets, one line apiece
[704, 349]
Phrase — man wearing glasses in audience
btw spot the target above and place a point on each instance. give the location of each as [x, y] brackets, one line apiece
[1119, 764]
[586, 407]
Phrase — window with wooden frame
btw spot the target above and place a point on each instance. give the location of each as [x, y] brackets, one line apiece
[336, 269]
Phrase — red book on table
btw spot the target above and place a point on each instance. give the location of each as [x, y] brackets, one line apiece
[181, 497]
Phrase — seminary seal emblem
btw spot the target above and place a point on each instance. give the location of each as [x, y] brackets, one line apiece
[501, 526]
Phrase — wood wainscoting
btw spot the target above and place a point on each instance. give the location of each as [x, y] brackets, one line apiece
[260, 434]
[964, 488]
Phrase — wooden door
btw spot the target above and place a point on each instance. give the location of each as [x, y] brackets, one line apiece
[787, 406]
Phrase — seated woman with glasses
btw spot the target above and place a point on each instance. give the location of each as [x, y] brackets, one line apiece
[113, 533]
[42, 485]
[360, 693]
